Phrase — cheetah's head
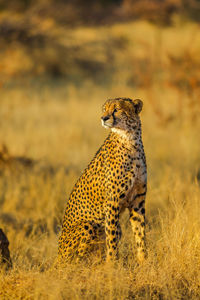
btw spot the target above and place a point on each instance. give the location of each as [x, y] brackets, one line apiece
[122, 114]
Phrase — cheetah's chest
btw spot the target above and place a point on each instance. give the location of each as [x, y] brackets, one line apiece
[136, 178]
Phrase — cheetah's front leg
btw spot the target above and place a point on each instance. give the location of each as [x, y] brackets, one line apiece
[137, 219]
[113, 230]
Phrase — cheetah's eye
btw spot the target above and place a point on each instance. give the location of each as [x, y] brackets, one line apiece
[115, 110]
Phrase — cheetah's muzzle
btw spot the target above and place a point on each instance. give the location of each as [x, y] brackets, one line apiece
[107, 121]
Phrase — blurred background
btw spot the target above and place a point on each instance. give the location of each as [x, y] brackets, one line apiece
[77, 41]
[59, 61]
[58, 57]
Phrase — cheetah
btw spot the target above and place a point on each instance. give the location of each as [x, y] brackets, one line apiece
[115, 179]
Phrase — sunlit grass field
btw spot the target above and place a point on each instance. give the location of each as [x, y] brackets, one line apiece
[57, 124]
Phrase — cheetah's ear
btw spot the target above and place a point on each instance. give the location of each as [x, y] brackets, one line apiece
[138, 104]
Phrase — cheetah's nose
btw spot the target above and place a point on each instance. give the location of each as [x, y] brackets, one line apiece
[105, 118]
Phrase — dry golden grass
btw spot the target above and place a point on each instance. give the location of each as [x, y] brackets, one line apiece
[59, 127]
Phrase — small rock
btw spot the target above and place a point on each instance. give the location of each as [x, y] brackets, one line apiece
[5, 260]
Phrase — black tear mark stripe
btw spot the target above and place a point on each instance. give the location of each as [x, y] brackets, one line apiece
[141, 203]
[139, 195]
